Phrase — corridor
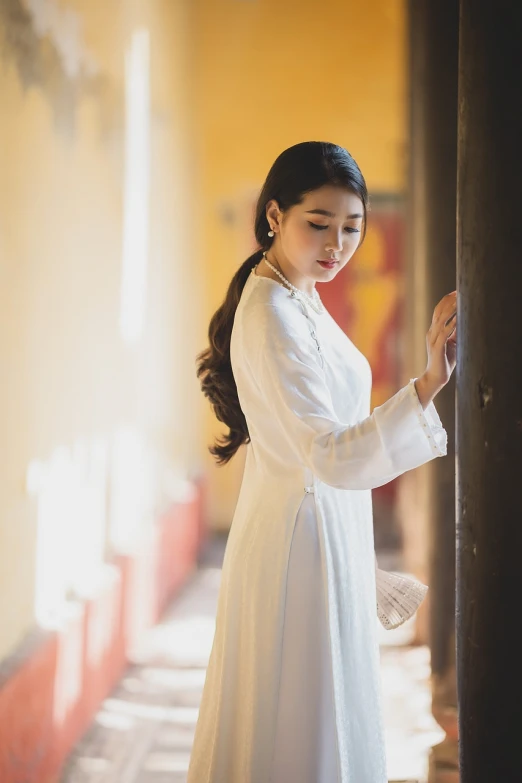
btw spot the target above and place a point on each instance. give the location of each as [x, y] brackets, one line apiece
[137, 137]
[143, 731]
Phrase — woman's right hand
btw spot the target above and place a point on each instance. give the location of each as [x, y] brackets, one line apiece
[441, 344]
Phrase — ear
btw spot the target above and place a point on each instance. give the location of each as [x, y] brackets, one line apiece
[273, 214]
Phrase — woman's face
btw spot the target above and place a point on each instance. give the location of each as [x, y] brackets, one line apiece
[326, 225]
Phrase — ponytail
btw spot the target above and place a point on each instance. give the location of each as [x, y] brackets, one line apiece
[214, 368]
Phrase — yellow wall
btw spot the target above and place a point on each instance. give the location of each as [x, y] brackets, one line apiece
[233, 82]
[268, 75]
[67, 374]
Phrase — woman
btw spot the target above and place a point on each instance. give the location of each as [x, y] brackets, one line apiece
[292, 692]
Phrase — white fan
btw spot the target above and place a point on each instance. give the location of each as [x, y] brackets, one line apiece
[398, 597]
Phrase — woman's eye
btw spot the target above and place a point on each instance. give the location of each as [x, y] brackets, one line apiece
[318, 227]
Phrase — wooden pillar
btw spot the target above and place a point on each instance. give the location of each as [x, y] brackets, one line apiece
[434, 75]
[414, 490]
[489, 402]
[441, 80]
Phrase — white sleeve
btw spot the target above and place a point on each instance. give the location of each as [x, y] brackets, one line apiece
[398, 436]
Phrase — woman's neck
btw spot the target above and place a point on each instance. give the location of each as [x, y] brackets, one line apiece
[299, 281]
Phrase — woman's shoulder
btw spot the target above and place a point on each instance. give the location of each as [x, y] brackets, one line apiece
[271, 324]
[266, 300]
[261, 289]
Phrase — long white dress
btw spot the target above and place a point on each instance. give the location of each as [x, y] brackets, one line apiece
[292, 690]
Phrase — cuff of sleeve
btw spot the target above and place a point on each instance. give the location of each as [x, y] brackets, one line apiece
[431, 424]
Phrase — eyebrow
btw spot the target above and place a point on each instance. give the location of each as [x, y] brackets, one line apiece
[331, 214]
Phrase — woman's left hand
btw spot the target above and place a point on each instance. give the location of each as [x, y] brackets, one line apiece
[441, 343]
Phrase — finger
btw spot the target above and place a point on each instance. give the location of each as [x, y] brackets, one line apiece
[453, 327]
[445, 306]
[445, 331]
[448, 312]
[450, 318]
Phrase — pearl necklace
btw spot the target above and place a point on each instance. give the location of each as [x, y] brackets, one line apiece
[314, 302]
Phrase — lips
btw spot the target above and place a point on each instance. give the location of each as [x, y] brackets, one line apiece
[328, 263]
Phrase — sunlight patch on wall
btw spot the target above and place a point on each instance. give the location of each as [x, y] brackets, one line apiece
[133, 473]
[71, 522]
[136, 188]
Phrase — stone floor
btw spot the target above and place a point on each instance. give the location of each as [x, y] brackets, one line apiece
[143, 731]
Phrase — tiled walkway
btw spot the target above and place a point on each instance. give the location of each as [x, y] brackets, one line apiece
[143, 733]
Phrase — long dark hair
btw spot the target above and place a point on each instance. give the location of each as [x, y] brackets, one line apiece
[298, 170]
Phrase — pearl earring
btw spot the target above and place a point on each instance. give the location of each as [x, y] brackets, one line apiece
[270, 233]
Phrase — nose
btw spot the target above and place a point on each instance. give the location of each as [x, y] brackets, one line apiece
[335, 243]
